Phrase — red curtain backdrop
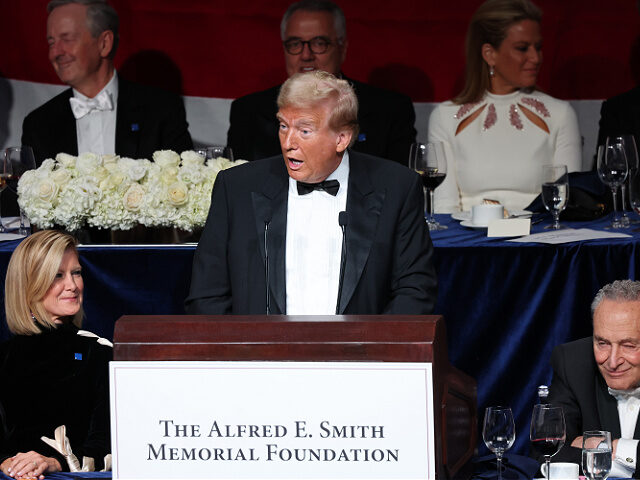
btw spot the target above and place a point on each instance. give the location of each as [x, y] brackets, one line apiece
[226, 49]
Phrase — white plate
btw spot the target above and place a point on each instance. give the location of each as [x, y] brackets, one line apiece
[466, 216]
[467, 223]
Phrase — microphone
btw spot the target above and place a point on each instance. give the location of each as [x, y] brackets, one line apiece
[267, 221]
[343, 220]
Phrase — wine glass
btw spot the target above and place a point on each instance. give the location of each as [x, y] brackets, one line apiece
[596, 454]
[631, 150]
[215, 151]
[498, 432]
[555, 191]
[5, 177]
[613, 170]
[429, 161]
[547, 432]
[21, 159]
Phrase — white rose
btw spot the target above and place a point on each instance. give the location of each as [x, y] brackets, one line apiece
[191, 158]
[87, 163]
[166, 158]
[109, 159]
[114, 180]
[61, 176]
[133, 197]
[191, 175]
[168, 175]
[136, 170]
[66, 160]
[46, 167]
[177, 194]
[47, 190]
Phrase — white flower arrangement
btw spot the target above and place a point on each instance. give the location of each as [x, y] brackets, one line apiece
[108, 191]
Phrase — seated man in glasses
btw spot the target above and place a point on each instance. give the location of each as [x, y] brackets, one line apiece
[314, 38]
[596, 379]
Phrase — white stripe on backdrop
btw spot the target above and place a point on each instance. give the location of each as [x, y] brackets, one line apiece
[209, 117]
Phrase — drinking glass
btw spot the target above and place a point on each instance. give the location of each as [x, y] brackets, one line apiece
[5, 177]
[596, 454]
[498, 432]
[631, 151]
[215, 151]
[555, 191]
[21, 159]
[429, 161]
[613, 170]
[547, 432]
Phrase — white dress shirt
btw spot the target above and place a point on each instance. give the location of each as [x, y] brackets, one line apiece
[96, 131]
[624, 463]
[314, 246]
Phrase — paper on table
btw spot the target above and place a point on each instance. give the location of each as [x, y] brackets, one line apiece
[568, 235]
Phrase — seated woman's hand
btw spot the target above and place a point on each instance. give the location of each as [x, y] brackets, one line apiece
[29, 465]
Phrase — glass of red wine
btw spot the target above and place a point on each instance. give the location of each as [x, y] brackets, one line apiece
[498, 432]
[548, 432]
[429, 161]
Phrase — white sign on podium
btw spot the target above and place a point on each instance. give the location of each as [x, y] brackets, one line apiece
[272, 420]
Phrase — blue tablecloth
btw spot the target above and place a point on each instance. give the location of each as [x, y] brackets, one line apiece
[506, 305]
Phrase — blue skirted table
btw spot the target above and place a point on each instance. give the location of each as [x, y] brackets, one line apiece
[506, 304]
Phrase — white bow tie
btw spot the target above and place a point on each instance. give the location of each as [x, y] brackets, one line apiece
[80, 108]
[621, 394]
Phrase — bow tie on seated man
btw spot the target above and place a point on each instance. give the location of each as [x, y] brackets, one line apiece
[83, 106]
[318, 230]
[596, 380]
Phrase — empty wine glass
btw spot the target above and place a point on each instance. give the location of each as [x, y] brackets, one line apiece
[613, 170]
[5, 177]
[429, 161]
[547, 432]
[596, 454]
[21, 159]
[215, 151]
[555, 191]
[498, 432]
[631, 151]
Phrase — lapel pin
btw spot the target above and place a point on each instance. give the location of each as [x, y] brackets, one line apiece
[77, 356]
[135, 127]
[362, 137]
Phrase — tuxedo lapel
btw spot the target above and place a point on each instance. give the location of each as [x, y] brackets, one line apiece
[270, 205]
[607, 408]
[363, 207]
[128, 121]
[65, 131]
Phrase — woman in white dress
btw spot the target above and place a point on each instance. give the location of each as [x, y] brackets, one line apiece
[500, 130]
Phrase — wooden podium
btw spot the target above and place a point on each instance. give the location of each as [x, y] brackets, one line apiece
[365, 338]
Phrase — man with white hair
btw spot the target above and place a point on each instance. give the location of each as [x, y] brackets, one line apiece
[101, 112]
[318, 230]
[596, 380]
[314, 37]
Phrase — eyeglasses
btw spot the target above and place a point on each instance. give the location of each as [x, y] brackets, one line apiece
[294, 46]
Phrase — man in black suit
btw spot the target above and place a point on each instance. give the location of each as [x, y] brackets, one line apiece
[320, 228]
[314, 38]
[596, 380]
[620, 115]
[101, 112]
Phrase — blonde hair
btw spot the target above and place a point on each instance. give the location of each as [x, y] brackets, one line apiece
[489, 24]
[306, 90]
[32, 269]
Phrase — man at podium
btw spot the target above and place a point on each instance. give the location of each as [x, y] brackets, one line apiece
[319, 229]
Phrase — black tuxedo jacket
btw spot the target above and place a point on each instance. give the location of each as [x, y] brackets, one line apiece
[148, 119]
[620, 115]
[582, 392]
[388, 264]
[386, 122]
